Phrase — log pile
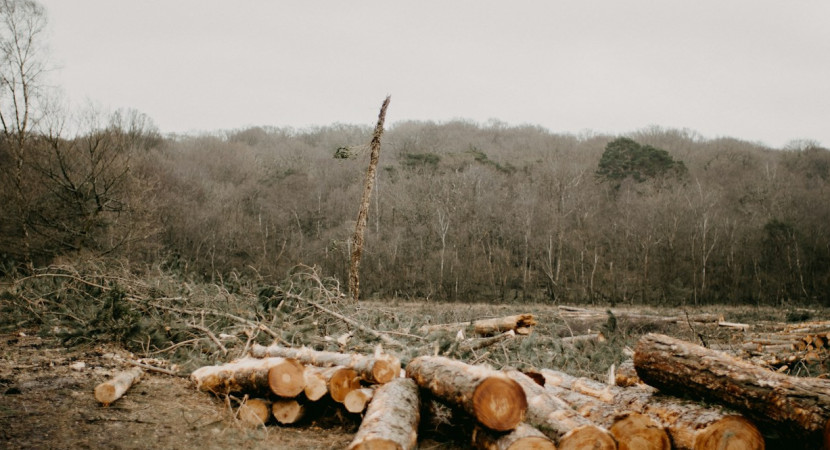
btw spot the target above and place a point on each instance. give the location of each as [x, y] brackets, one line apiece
[803, 346]
[657, 408]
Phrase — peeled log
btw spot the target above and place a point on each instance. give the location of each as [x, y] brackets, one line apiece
[391, 421]
[558, 421]
[521, 324]
[254, 412]
[493, 399]
[794, 406]
[282, 376]
[287, 411]
[372, 369]
[689, 424]
[524, 437]
[111, 390]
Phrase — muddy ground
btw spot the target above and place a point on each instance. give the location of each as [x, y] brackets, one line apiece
[46, 401]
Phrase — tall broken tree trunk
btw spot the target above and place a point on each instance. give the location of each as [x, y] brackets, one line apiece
[363, 213]
[690, 425]
[372, 369]
[391, 421]
[493, 399]
[564, 426]
[281, 376]
[794, 406]
[111, 390]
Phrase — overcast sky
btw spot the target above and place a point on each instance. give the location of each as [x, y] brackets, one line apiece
[757, 70]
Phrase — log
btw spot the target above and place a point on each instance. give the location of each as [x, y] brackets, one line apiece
[689, 425]
[391, 421]
[287, 411]
[254, 412]
[357, 400]
[626, 375]
[341, 381]
[112, 389]
[523, 437]
[316, 382]
[521, 324]
[254, 376]
[794, 406]
[630, 429]
[493, 399]
[593, 337]
[372, 369]
[558, 421]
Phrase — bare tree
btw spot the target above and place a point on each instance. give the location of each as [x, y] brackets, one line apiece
[22, 22]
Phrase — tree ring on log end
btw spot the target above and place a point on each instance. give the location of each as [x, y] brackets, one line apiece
[384, 372]
[287, 379]
[638, 431]
[377, 444]
[587, 436]
[732, 433]
[499, 403]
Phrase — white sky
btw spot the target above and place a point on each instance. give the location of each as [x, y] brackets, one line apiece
[757, 70]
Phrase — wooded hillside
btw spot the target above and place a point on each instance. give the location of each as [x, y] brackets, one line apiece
[461, 211]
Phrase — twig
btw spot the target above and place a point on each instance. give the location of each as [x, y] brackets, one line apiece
[211, 336]
[388, 340]
[226, 315]
[153, 368]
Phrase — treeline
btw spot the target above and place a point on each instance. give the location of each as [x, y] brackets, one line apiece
[461, 211]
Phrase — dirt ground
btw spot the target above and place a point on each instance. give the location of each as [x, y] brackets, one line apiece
[46, 401]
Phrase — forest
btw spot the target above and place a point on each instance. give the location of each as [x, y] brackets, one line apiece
[461, 211]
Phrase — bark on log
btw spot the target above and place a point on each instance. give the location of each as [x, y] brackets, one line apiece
[287, 411]
[558, 421]
[630, 429]
[111, 390]
[282, 376]
[521, 324]
[524, 437]
[254, 412]
[492, 398]
[372, 369]
[391, 421]
[357, 400]
[794, 406]
[689, 425]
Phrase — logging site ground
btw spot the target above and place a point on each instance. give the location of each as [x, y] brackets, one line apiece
[67, 328]
[48, 371]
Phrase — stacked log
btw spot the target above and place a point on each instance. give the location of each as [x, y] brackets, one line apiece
[280, 376]
[798, 407]
[493, 399]
[689, 425]
[392, 418]
[807, 345]
[377, 369]
[558, 421]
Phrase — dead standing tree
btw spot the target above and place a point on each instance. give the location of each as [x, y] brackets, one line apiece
[363, 214]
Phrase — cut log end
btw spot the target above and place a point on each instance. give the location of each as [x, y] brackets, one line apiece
[384, 371]
[377, 444]
[342, 382]
[587, 436]
[287, 379]
[731, 432]
[287, 411]
[254, 412]
[637, 431]
[499, 403]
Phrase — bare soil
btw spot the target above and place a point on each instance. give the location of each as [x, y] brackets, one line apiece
[46, 401]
